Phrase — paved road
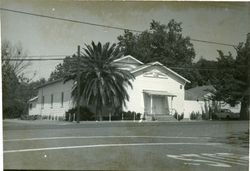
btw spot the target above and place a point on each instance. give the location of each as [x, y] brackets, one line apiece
[208, 145]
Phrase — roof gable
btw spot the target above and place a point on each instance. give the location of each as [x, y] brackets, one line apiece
[50, 82]
[155, 73]
[127, 63]
[128, 60]
[146, 66]
[199, 92]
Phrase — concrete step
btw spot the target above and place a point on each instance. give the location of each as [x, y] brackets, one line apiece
[160, 118]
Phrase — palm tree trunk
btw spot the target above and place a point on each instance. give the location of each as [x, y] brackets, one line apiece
[96, 111]
[100, 114]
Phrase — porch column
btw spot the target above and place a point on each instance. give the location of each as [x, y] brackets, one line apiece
[151, 104]
[171, 105]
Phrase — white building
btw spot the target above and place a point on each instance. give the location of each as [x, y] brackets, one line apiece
[198, 100]
[53, 100]
[157, 91]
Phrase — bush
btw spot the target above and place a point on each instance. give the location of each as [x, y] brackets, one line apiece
[30, 117]
[129, 115]
[45, 117]
[153, 118]
[195, 116]
[204, 116]
[180, 117]
[85, 114]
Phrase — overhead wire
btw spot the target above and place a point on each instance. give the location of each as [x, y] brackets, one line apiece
[104, 26]
[47, 57]
[147, 64]
[69, 20]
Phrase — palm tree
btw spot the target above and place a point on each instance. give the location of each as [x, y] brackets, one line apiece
[102, 84]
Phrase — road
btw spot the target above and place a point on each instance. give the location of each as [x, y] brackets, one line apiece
[49, 145]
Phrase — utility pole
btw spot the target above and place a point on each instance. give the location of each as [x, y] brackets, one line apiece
[248, 76]
[78, 84]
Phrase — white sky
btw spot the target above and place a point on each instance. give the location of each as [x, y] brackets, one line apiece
[219, 22]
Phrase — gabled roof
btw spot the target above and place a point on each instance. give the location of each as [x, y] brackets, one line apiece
[199, 92]
[128, 57]
[50, 82]
[142, 67]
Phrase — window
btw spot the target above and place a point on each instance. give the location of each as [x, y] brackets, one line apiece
[62, 98]
[43, 102]
[51, 100]
[180, 86]
[30, 105]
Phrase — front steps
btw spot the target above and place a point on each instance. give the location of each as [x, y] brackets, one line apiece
[165, 118]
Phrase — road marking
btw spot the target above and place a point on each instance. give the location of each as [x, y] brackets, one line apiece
[196, 158]
[235, 160]
[210, 159]
[221, 160]
[195, 164]
[233, 156]
[106, 145]
[94, 137]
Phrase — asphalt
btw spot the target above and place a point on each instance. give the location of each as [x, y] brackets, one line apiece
[50, 145]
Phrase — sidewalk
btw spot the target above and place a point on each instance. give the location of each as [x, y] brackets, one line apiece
[56, 122]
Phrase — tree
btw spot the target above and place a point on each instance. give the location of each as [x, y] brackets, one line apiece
[14, 103]
[163, 43]
[207, 70]
[232, 82]
[62, 69]
[243, 76]
[102, 84]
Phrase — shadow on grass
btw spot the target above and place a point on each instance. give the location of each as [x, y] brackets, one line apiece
[240, 139]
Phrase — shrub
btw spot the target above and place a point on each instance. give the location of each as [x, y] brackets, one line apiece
[195, 116]
[45, 117]
[85, 114]
[30, 117]
[153, 118]
[60, 118]
[204, 116]
[129, 115]
[180, 117]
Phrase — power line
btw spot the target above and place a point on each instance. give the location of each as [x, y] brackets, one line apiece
[38, 59]
[41, 56]
[69, 20]
[212, 42]
[149, 64]
[105, 26]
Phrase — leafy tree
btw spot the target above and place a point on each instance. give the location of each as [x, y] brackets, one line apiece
[10, 52]
[102, 84]
[207, 70]
[232, 83]
[62, 69]
[30, 88]
[14, 103]
[163, 43]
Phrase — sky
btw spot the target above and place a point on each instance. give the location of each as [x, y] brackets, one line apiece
[225, 22]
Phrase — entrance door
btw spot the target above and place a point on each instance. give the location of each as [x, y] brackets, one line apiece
[159, 105]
